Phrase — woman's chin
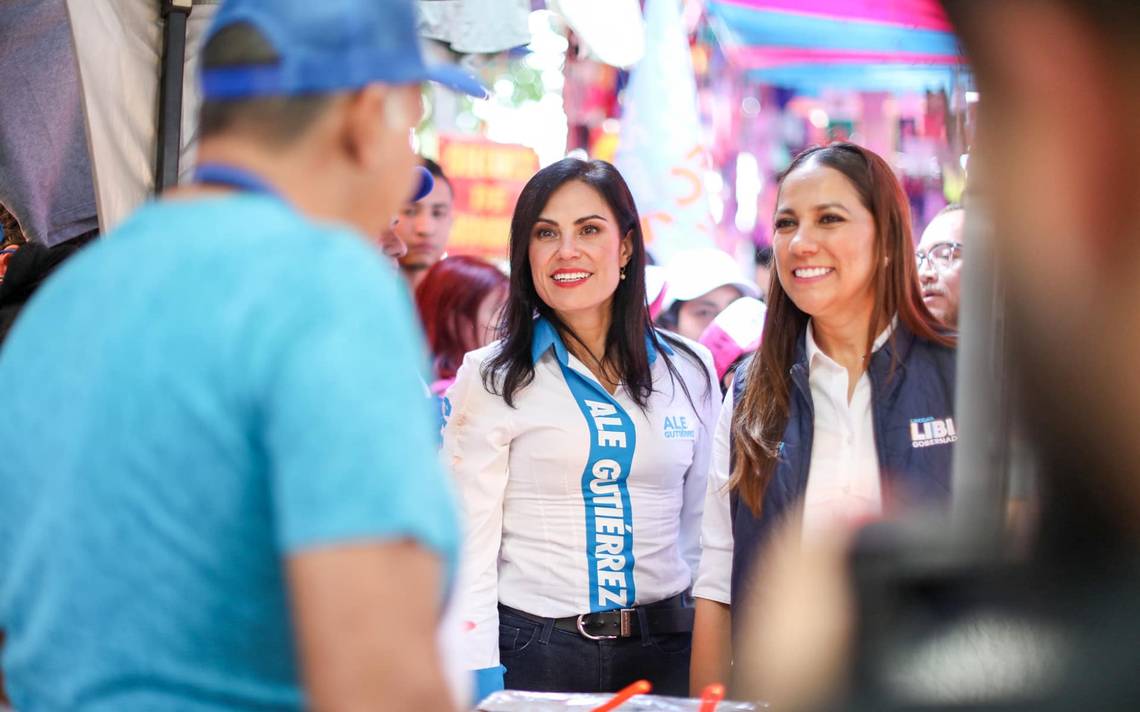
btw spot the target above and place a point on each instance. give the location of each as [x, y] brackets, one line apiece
[813, 306]
[577, 302]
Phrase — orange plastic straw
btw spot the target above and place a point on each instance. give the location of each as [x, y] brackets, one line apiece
[640, 687]
[711, 696]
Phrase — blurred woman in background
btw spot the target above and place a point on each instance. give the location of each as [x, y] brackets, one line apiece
[846, 411]
[733, 336]
[459, 301]
[700, 283]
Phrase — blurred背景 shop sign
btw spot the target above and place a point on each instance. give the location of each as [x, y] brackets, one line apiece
[487, 178]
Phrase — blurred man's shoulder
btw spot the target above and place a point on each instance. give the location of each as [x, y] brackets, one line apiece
[243, 238]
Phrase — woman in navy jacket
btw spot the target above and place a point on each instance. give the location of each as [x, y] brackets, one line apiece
[846, 412]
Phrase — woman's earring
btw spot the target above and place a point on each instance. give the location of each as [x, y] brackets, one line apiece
[621, 273]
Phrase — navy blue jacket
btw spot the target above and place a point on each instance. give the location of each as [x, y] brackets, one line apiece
[912, 410]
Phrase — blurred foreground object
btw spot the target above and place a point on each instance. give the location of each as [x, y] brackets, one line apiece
[520, 701]
[952, 615]
[217, 571]
[796, 636]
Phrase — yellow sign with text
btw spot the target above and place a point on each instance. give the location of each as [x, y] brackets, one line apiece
[486, 178]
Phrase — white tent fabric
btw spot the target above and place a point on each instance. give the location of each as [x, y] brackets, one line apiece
[476, 26]
[119, 47]
[612, 29]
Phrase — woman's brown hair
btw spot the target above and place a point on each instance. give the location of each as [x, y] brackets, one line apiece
[759, 419]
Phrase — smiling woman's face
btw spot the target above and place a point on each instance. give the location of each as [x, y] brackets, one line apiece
[577, 251]
[824, 243]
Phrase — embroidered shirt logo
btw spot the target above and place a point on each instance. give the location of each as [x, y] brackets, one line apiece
[677, 428]
[925, 432]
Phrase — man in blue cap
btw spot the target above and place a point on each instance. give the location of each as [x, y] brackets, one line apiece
[225, 494]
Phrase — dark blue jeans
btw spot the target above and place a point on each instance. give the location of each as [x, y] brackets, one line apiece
[542, 658]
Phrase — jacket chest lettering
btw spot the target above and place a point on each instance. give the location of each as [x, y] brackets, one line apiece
[927, 432]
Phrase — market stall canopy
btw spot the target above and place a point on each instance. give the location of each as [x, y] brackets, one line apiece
[119, 49]
[869, 45]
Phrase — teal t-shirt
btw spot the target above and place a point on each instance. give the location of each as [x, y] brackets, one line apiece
[214, 386]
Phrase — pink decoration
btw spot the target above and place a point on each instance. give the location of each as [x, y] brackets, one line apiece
[767, 57]
[917, 14]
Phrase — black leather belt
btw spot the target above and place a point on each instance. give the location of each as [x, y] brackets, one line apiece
[661, 618]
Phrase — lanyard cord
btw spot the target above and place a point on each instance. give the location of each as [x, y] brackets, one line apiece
[225, 174]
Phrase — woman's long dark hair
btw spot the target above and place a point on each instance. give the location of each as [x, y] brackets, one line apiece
[511, 368]
[759, 419]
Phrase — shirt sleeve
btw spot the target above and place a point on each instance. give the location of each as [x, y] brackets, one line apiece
[714, 582]
[693, 503]
[345, 426]
[476, 444]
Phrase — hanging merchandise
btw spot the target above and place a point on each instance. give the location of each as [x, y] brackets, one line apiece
[476, 26]
[660, 151]
[523, 701]
[589, 96]
[611, 29]
[45, 173]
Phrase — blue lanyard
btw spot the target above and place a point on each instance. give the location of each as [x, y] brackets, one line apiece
[605, 485]
[240, 178]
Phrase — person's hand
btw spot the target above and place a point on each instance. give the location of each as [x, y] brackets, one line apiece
[391, 245]
[795, 641]
[365, 616]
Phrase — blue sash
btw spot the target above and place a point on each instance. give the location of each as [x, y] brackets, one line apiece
[605, 481]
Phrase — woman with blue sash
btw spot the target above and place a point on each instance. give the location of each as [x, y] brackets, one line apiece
[580, 445]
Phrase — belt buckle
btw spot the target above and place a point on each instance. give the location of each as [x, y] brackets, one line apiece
[625, 626]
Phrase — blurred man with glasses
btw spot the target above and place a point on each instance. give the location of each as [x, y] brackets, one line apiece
[939, 257]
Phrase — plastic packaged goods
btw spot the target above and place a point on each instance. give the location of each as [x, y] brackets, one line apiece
[520, 701]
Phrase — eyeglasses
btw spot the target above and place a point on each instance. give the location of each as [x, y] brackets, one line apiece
[942, 255]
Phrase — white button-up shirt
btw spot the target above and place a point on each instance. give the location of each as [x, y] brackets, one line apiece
[843, 487]
[519, 473]
[843, 479]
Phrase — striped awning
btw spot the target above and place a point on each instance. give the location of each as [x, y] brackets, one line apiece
[895, 45]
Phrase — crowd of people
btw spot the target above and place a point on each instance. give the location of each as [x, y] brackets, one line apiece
[235, 485]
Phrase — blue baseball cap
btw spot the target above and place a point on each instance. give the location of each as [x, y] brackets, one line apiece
[427, 182]
[328, 45]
